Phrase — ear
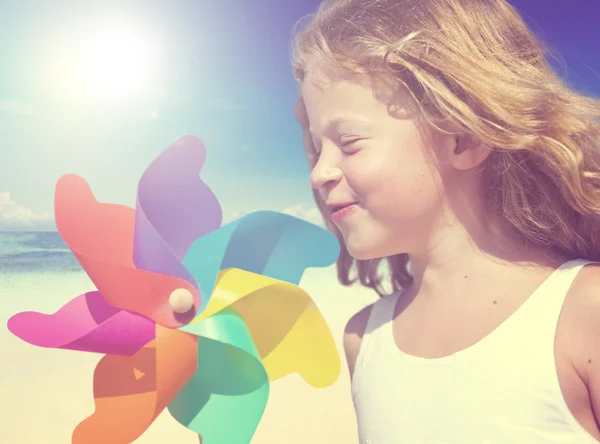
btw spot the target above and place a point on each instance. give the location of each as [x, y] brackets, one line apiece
[469, 152]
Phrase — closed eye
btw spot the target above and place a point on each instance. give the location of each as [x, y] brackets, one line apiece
[349, 143]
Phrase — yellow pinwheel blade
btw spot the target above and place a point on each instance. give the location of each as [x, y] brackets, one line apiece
[287, 327]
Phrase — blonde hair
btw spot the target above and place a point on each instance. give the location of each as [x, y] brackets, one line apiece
[476, 64]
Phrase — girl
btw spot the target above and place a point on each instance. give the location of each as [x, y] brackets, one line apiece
[436, 130]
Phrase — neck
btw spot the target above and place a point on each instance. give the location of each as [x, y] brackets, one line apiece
[482, 253]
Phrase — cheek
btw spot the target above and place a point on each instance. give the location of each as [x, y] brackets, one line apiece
[397, 187]
[411, 191]
[391, 173]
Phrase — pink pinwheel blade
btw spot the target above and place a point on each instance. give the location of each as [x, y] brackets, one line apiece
[87, 323]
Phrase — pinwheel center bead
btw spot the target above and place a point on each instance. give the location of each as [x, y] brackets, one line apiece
[181, 300]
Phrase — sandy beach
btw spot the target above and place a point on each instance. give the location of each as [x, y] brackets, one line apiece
[47, 392]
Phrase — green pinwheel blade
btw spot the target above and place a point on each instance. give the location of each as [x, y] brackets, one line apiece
[226, 398]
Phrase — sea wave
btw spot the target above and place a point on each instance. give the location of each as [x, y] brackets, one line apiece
[35, 251]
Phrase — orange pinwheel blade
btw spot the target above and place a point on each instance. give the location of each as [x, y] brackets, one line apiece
[131, 391]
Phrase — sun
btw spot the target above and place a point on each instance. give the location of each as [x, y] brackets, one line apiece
[114, 62]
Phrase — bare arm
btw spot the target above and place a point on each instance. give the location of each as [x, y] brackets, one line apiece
[583, 319]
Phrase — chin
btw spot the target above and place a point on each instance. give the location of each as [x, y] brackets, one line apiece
[364, 252]
[371, 248]
[359, 256]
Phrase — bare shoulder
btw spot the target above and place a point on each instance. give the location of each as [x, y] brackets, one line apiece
[581, 313]
[353, 334]
[578, 337]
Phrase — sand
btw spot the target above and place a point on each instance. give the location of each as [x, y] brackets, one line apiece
[47, 392]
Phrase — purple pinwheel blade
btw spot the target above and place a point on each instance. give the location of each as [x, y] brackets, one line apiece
[174, 208]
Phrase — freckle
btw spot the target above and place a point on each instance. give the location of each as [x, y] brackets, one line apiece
[465, 277]
[495, 302]
[589, 361]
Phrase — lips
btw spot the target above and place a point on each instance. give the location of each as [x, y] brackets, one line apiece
[339, 211]
[334, 208]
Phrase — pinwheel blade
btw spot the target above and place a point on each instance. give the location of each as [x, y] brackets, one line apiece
[273, 244]
[227, 396]
[174, 208]
[287, 328]
[130, 392]
[87, 323]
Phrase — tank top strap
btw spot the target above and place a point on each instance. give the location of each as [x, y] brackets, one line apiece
[379, 326]
[553, 292]
[532, 327]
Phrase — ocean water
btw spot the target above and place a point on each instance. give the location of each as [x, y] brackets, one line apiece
[37, 272]
[27, 252]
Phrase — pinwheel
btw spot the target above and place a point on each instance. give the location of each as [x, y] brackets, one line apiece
[192, 316]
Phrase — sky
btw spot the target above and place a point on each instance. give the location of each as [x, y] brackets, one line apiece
[219, 70]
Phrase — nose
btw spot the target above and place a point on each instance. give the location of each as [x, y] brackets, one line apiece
[325, 171]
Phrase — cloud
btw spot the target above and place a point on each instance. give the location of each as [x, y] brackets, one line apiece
[235, 216]
[308, 213]
[14, 216]
[17, 108]
[227, 105]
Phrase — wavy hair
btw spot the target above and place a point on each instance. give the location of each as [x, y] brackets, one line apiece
[474, 63]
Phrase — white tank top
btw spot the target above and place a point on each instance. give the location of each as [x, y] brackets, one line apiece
[502, 390]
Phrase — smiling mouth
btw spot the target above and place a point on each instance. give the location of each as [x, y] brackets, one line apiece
[339, 212]
[336, 208]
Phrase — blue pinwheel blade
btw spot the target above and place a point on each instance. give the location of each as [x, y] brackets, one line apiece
[269, 243]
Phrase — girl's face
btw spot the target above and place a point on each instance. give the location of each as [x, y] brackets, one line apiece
[376, 159]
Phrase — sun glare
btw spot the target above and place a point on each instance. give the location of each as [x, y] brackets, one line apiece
[116, 62]
[110, 63]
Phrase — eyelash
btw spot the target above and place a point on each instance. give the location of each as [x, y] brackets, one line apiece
[342, 145]
[349, 142]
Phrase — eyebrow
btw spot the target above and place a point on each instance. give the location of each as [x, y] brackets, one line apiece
[343, 118]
